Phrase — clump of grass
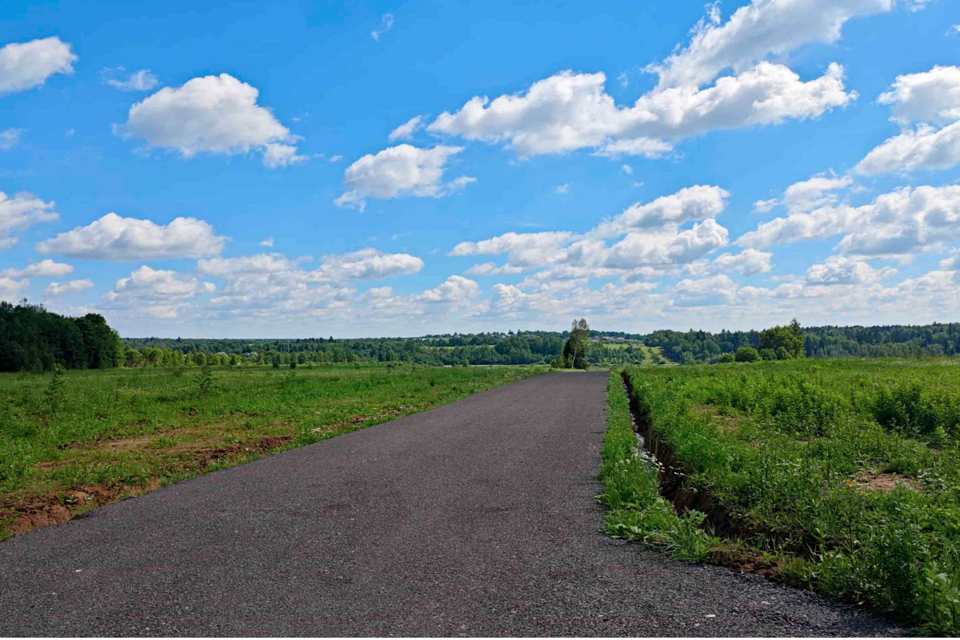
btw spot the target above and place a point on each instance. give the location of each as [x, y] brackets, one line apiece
[631, 486]
[54, 394]
[202, 381]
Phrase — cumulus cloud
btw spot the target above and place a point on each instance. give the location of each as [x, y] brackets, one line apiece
[74, 286]
[43, 269]
[27, 65]
[931, 99]
[562, 189]
[843, 270]
[407, 129]
[926, 147]
[522, 249]
[19, 213]
[753, 32]
[267, 242]
[212, 114]
[113, 237]
[403, 170]
[748, 262]
[142, 80]
[157, 293]
[705, 292]
[765, 206]
[667, 247]
[903, 222]
[12, 290]
[455, 290]
[570, 111]
[270, 283]
[490, 269]
[698, 202]
[9, 138]
[816, 192]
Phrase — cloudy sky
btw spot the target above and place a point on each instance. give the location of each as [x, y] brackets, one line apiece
[285, 170]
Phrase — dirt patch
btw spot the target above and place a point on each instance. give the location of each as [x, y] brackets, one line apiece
[383, 416]
[56, 508]
[25, 514]
[126, 444]
[722, 422]
[884, 481]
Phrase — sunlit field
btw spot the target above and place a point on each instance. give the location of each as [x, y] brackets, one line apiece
[842, 476]
[71, 441]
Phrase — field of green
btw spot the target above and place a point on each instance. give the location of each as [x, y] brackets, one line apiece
[72, 441]
[842, 476]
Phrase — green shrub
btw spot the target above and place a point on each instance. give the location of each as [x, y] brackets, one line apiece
[747, 354]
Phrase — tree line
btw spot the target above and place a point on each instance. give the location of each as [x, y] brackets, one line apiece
[34, 339]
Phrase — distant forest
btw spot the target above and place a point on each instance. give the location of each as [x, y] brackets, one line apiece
[32, 339]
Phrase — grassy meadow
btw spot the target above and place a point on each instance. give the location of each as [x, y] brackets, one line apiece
[842, 476]
[71, 441]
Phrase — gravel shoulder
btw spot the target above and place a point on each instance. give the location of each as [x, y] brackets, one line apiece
[476, 518]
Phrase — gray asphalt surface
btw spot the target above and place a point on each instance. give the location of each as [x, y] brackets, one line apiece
[476, 518]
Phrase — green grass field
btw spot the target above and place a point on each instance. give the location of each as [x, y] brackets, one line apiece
[72, 442]
[842, 476]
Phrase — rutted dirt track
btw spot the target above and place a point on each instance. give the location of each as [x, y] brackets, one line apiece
[475, 518]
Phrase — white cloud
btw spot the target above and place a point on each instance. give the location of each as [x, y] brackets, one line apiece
[268, 242]
[74, 286]
[765, 206]
[698, 202]
[142, 80]
[627, 169]
[125, 239]
[386, 23]
[931, 98]
[816, 192]
[523, 249]
[753, 32]
[212, 114]
[407, 129]
[43, 269]
[403, 170]
[335, 159]
[900, 223]
[952, 263]
[455, 290]
[705, 292]
[562, 188]
[21, 212]
[843, 270]
[28, 64]
[366, 264]
[646, 147]
[570, 111]
[11, 290]
[157, 293]
[924, 148]
[667, 247]
[749, 262]
[9, 138]
[490, 269]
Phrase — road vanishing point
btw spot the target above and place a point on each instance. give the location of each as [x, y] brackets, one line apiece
[476, 518]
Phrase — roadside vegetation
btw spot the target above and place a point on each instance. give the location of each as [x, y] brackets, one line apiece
[74, 440]
[841, 476]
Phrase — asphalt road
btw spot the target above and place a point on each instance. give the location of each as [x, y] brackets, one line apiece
[476, 518]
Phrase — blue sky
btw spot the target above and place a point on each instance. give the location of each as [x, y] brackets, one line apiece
[291, 170]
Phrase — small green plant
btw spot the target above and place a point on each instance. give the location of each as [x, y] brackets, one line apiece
[203, 381]
[54, 395]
